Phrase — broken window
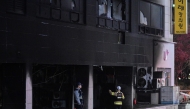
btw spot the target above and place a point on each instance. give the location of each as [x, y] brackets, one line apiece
[112, 9]
[105, 8]
[70, 5]
[62, 10]
[151, 15]
[151, 18]
[143, 19]
[119, 9]
[16, 6]
[114, 14]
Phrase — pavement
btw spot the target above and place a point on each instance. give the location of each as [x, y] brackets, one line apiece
[156, 106]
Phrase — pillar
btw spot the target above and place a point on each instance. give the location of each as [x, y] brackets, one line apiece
[90, 88]
[28, 86]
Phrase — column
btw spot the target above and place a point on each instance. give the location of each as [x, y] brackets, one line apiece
[90, 88]
[28, 86]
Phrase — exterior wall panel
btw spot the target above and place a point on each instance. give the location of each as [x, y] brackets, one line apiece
[164, 57]
[66, 42]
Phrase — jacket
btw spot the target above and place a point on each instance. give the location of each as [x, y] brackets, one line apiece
[119, 97]
[78, 97]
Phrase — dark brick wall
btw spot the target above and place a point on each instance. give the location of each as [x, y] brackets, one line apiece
[31, 39]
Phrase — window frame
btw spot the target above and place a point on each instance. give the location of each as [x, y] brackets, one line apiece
[63, 14]
[16, 7]
[148, 29]
[115, 24]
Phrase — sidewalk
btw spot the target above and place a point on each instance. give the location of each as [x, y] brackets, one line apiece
[158, 106]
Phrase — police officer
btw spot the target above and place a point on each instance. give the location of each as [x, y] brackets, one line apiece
[78, 97]
[118, 97]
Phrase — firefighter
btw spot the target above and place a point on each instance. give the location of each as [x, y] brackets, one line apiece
[119, 96]
[79, 102]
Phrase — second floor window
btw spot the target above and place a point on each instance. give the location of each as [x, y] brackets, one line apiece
[112, 9]
[151, 18]
[62, 10]
[16, 6]
[113, 14]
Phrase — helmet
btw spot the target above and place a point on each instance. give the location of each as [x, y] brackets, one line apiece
[79, 83]
[118, 87]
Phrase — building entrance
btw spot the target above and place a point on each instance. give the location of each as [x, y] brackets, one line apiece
[108, 78]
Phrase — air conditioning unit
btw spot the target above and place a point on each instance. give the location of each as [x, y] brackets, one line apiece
[58, 95]
[144, 77]
[58, 104]
[158, 82]
[141, 77]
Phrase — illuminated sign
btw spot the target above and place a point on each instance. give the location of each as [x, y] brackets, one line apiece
[180, 17]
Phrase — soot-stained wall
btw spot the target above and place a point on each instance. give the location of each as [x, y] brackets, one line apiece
[28, 38]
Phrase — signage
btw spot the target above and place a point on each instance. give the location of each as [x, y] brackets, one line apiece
[166, 52]
[180, 17]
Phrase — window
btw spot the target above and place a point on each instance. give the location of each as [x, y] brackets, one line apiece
[105, 8]
[62, 10]
[113, 13]
[16, 6]
[151, 18]
[119, 9]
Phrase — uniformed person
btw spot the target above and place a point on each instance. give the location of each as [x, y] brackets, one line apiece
[78, 98]
[119, 96]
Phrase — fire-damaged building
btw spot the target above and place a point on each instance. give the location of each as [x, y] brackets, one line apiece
[47, 46]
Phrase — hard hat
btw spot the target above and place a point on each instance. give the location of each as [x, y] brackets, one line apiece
[79, 83]
[118, 87]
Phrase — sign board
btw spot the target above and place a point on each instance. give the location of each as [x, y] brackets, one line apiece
[180, 17]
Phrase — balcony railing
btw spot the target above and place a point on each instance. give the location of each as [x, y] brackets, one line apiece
[150, 30]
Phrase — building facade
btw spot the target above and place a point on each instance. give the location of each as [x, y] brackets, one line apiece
[48, 45]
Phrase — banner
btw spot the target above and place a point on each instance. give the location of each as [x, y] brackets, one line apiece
[180, 17]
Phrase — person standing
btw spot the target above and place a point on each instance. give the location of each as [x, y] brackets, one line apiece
[119, 96]
[78, 98]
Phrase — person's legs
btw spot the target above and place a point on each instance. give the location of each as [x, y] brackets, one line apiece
[116, 107]
[78, 107]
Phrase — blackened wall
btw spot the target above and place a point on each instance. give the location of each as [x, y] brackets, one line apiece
[13, 88]
[31, 39]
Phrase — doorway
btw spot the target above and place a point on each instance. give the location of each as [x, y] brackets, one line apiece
[108, 78]
[53, 85]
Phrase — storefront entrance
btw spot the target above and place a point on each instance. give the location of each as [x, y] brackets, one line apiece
[53, 85]
[108, 78]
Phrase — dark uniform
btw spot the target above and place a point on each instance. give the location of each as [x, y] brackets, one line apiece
[78, 99]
